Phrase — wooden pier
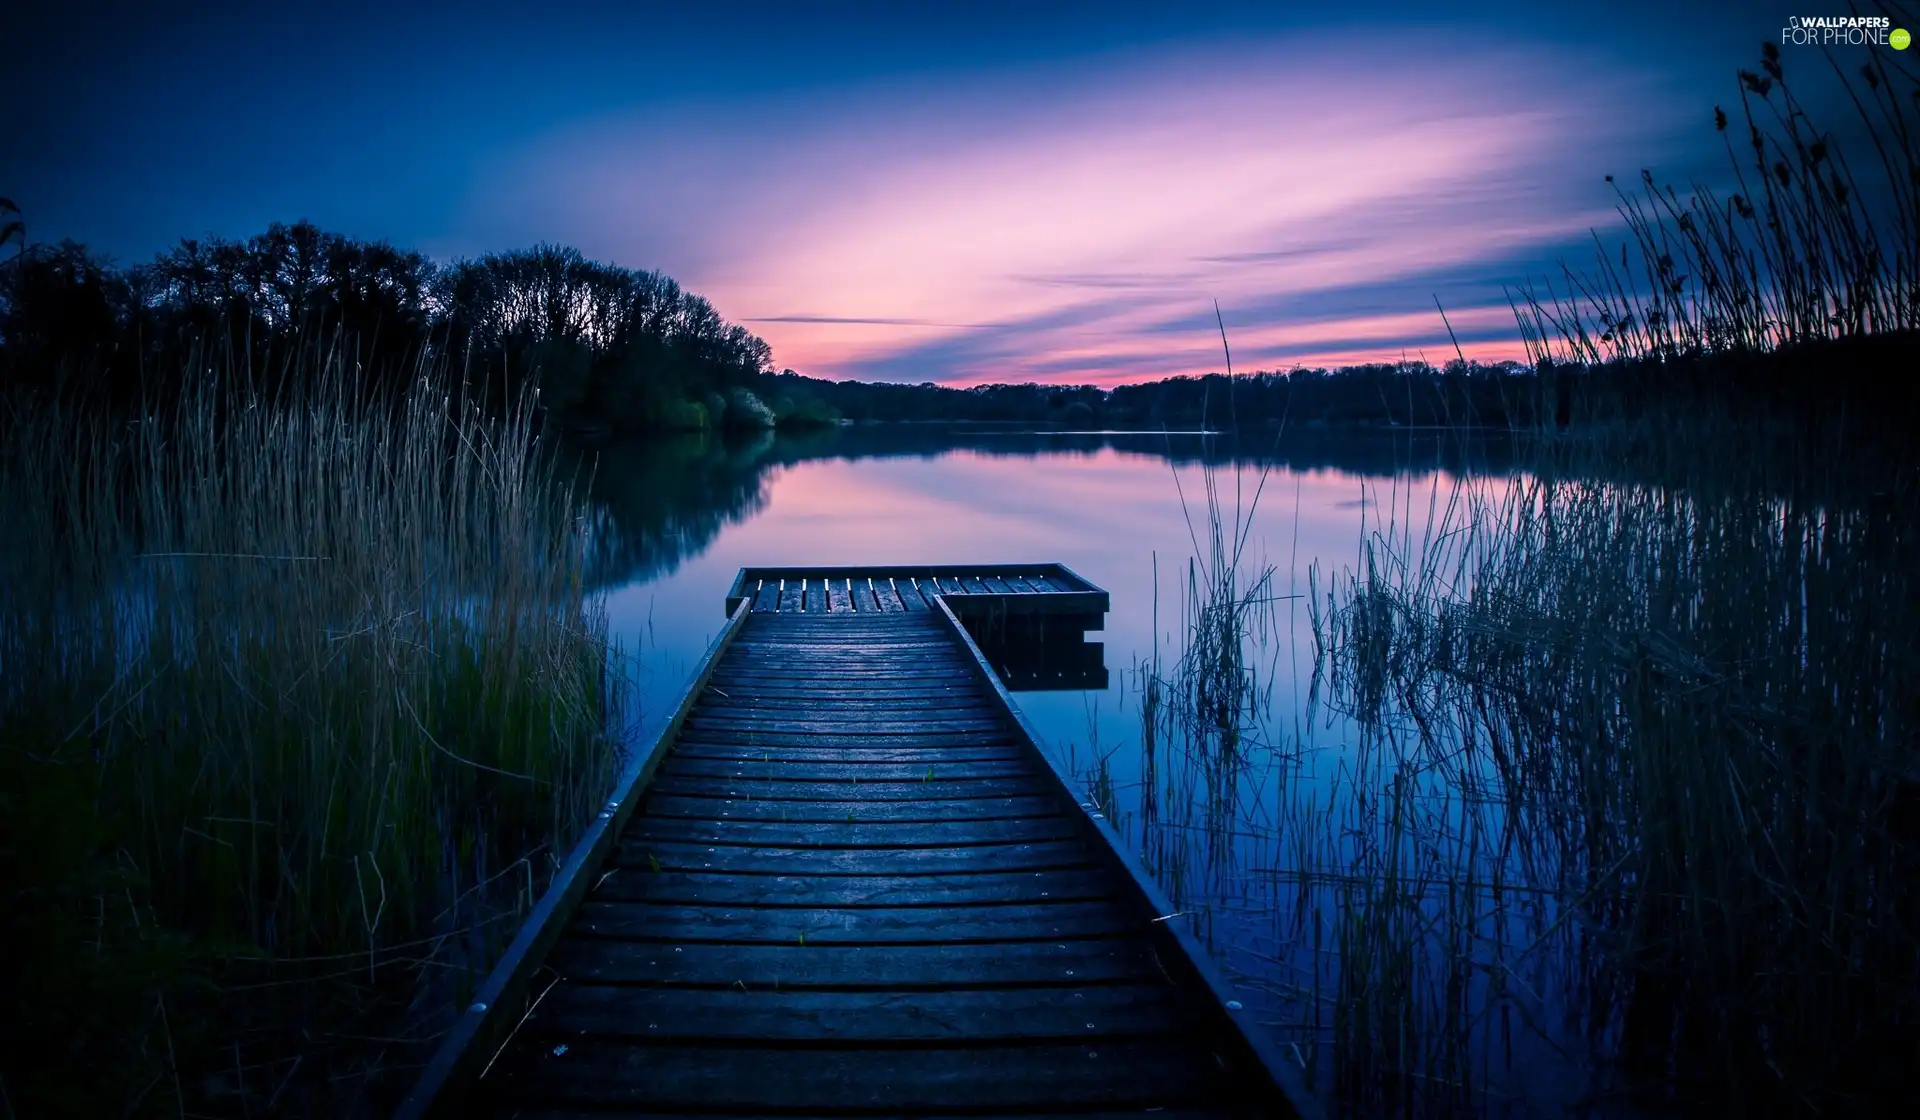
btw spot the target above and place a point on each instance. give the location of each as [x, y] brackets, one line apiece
[845, 881]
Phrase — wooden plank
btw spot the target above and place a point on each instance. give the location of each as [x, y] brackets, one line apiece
[827, 628]
[821, 659]
[951, 585]
[829, 667]
[1001, 808]
[820, 625]
[814, 657]
[789, 596]
[708, 888]
[736, 677]
[973, 1015]
[794, 645]
[772, 741]
[849, 709]
[889, 600]
[905, 925]
[790, 680]
[905, 692]
[857, 628]
[602, 1112]
[862, 810]
[961, 713]
[847, 667]
[909, 595]
[906, 756]
[853, 724]
[727, 686]
[592, 1071]
[863, 597]
[840, 597]
[774, 682]
[823, 665]
[821, 662]
[869, 791]
[953, 721]
[730, 679]
[1067, 580]
[814, 595]
[854, 712]
[997, 586]
[852, 861]
[849, 833]
[847, 737]
[849, 772]
[1109, 960]
[767, 597]
[799, 669]
[849, 703]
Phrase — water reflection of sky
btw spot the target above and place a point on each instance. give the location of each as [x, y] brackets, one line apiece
[1107, 514]
[1123, 517]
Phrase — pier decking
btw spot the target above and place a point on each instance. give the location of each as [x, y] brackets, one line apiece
[970, 589]
[846, 882]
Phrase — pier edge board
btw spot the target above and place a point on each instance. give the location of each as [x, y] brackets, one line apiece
[1259, 1055]
[1065, 591]
[486, 1025]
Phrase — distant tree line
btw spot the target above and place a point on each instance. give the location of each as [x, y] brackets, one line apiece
[611, 347]
[1460, 394]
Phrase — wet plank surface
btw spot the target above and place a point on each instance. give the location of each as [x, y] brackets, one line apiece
[852, 889]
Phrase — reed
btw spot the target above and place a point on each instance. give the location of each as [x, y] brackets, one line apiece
[1811, 245]
[1696, 718]
[308, 679]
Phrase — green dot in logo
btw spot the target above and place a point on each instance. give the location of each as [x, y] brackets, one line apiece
[1899, 39]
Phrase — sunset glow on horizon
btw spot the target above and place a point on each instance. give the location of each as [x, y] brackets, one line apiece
[1019, 196]
[1078, 227]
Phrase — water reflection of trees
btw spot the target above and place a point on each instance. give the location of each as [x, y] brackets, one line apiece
[655, 503]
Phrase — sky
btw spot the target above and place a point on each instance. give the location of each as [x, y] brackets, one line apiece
[958, 193]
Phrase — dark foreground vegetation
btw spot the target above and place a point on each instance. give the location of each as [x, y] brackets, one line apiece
[304, 689]
[301, 701]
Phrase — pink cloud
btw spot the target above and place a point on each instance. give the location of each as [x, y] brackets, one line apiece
[1074, 223]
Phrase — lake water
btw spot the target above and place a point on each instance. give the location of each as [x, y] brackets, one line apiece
[676, 520]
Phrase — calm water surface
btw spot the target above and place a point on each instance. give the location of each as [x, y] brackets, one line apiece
[678, 519]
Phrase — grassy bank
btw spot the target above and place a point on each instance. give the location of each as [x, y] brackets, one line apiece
[300, 700]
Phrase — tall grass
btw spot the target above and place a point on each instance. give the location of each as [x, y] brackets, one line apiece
[302, 689]
[1702, 713]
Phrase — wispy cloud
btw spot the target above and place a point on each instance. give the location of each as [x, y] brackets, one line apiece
[857, 321]
[1076, 221]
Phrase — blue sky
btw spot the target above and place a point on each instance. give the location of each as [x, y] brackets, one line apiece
[957, 193]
